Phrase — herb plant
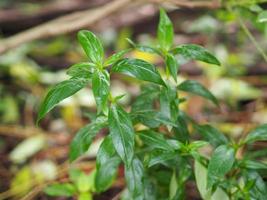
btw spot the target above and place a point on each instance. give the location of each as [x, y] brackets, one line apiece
[161, 156]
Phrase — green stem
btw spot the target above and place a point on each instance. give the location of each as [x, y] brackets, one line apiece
[249, 34]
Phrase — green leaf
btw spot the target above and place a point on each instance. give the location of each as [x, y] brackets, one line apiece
[115, 57]
[160, 157]
[92, 46]
[259, 189]
[101, 90]
[172, 65]
[165, 31]
[60, 92]
[83, 139]
[221, 162]
[196, 52]
[134, 175]
[85, 183]
[85, 196]
[147, 49]
[259, 133]
[107, 162]
[155, 140]
[262, 17]
[122, 133]
[63, 189]
[250, 164]
[81, 70]
[201, 180]
[181, 130]
[139, 69]
[211, 134]
[198, 89]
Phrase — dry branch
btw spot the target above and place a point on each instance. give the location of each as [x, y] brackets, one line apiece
[77, 20]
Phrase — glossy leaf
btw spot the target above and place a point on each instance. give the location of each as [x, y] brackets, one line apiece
[165, 31]
[160, 157]
[60, 92]
[107, 162]
[259, 189]
[134, 175]
[101, 89]
[250, 164]
[198, 89]
[172, 65]
[155, 140]
[211, 134]
[122, 133]
[259, 133]
[220, 163]
[196, 52]
[139, 69]
[92, 46]
[83, 139]
[63, 189]
[81, 70]
[115, 57]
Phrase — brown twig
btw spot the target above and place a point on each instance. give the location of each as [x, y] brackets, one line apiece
[62, 25]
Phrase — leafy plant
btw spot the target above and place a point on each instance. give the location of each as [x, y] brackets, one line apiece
[80, 185]
[161, 158]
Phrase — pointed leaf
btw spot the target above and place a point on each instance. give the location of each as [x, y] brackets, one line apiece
[122, 133]
[83, 139]
[196, 52]
[172, 65]
[107, 162]
[81, 70]
[198, 89]
[134, 175]
[211, 134]
[101, 89]
[139, 69]
[155, 140]
[165, 31]
[92, 46]
[259, 133]
[115, 57]
[220, 163]
[63, 189]
[60, 92]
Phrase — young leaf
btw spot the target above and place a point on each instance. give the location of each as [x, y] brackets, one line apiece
[172, 65]
[144, 48]
[85, 183]
[139, 69]
[115, 57]
[196, 52]
[101, 89]
[220, 163]
[134, 175]
[92, 46]
[60, 92]
[107, 162]
[259, 133]
[122, 133]
[165, 31]
[81, 70]
[198, 89]
[211, 134]
[63, 189]
[83, 139]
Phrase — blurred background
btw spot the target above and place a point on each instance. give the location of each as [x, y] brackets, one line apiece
[38, 43]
